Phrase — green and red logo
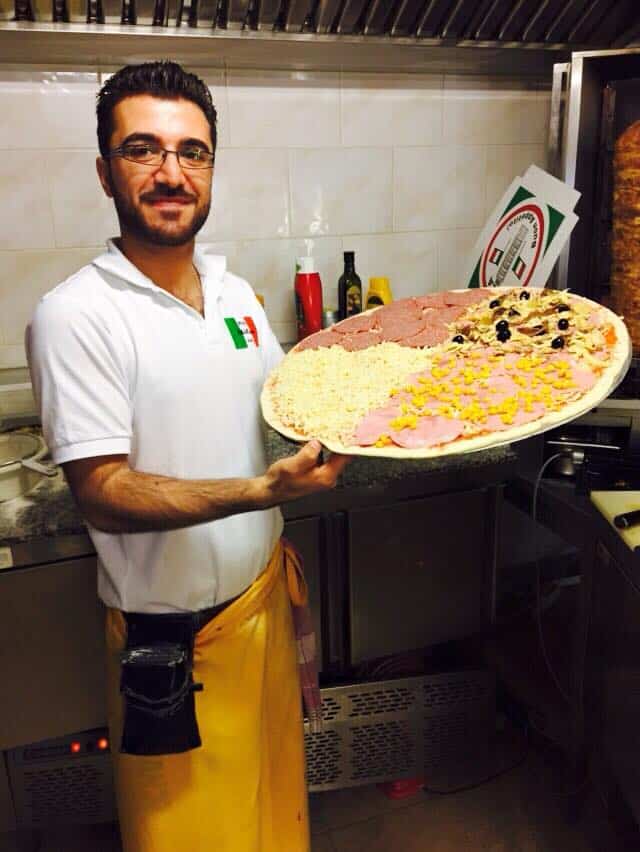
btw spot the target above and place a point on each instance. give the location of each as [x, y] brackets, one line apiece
[243, 332]
[519, 242]
[514, 247]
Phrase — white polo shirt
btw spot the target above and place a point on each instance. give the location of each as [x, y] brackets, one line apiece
[120, 366]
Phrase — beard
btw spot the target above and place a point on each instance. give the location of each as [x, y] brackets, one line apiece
[169, 233]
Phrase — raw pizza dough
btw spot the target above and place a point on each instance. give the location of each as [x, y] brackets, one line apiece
[616, 367]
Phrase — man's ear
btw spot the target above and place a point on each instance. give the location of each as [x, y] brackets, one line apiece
[104, 174]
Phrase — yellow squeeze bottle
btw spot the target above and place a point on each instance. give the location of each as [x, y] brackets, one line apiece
[379, 293]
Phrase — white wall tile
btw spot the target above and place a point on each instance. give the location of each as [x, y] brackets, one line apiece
[12, 356]
[286, 332]
[278, 109]
[25, 212]
[24, 277]
[215, 80]
[227, 249]
[82, 213]
[250, 195]
[391, 109]
[454, 250]
[269, 266]
[478, 110]
[504, 163]
[309, 163]
[340, 190]
[409, 261]
[48, 109]
[438, 187]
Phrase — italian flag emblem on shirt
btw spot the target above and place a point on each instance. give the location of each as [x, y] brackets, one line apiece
[243, 331]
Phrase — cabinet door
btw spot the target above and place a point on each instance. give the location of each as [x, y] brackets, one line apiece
[52, 655]
[306, 536]
[613, 674]
[7, 815]
[418, 573]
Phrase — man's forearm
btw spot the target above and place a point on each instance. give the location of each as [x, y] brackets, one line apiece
[117, 499]
[130, 501]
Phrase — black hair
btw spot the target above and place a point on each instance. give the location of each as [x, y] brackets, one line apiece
[163, 79]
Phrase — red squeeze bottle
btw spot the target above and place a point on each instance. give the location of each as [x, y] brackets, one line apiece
[308, 289]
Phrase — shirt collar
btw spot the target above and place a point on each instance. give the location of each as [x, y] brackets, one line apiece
[211, 269]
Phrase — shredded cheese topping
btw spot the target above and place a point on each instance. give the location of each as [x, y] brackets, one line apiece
[326, 392]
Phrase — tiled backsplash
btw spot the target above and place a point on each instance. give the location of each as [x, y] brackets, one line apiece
[402, 169]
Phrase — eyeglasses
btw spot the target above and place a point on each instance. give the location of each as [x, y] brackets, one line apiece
[151, 154]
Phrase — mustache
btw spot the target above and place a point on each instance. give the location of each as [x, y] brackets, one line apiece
[168, 193]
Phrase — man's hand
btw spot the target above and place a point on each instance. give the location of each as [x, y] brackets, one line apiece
[299, 475]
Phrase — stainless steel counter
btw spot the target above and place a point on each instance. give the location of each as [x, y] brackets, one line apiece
[47, 519]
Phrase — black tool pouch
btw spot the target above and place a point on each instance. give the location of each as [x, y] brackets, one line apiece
[157, 685]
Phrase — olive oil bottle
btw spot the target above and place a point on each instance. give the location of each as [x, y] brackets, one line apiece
[349, 288]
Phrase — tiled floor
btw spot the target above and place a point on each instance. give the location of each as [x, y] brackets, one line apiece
[519, 812]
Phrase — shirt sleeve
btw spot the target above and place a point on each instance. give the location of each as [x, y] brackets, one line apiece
[79, 382]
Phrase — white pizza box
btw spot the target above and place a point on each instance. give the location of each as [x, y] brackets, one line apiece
[525, 233]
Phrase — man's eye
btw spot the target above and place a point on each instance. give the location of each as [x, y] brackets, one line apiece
[140, 151]
[193, 154]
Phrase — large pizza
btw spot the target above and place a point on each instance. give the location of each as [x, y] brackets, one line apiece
[449, 372]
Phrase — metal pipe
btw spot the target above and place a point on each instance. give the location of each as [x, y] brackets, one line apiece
[425, 15]
[558, 19]
[510, 17]
[584, 17]
[451, 18]
[483, 23]
[534, 20]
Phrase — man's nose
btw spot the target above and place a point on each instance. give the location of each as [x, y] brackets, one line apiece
[170, 171]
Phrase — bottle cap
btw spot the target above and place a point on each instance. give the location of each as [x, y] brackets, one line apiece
[306, 265]
[349, 255]
[379, 281]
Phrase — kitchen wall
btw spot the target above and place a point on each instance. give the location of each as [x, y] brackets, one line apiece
[401, 169]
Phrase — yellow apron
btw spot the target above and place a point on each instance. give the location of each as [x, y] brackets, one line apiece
[244, 790]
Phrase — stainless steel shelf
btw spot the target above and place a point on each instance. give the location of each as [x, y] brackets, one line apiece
[69, 43]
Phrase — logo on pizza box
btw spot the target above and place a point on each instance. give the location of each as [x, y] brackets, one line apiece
[515, 246]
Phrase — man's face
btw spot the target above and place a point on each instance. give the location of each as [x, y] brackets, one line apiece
[164, 205]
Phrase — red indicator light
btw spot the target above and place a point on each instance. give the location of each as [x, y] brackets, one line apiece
[75, 747]
[103, 743]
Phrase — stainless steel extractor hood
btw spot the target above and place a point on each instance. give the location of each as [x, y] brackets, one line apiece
[574, 24]
[516, 36]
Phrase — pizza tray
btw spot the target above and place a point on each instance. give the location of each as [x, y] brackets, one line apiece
[609, 380]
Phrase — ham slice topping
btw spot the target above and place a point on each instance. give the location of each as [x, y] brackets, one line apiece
[320, 339]
[429, 432]
[363, 340]
[360, 322]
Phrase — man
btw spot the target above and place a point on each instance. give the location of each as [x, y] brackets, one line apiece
[148, 365]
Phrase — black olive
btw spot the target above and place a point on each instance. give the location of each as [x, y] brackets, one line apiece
[458, 339]
[503, 335]
[495, 303]
[513, 312]
[525, 295]
[503, 325]
[562, 308]
[557, 343]
[563, 324]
